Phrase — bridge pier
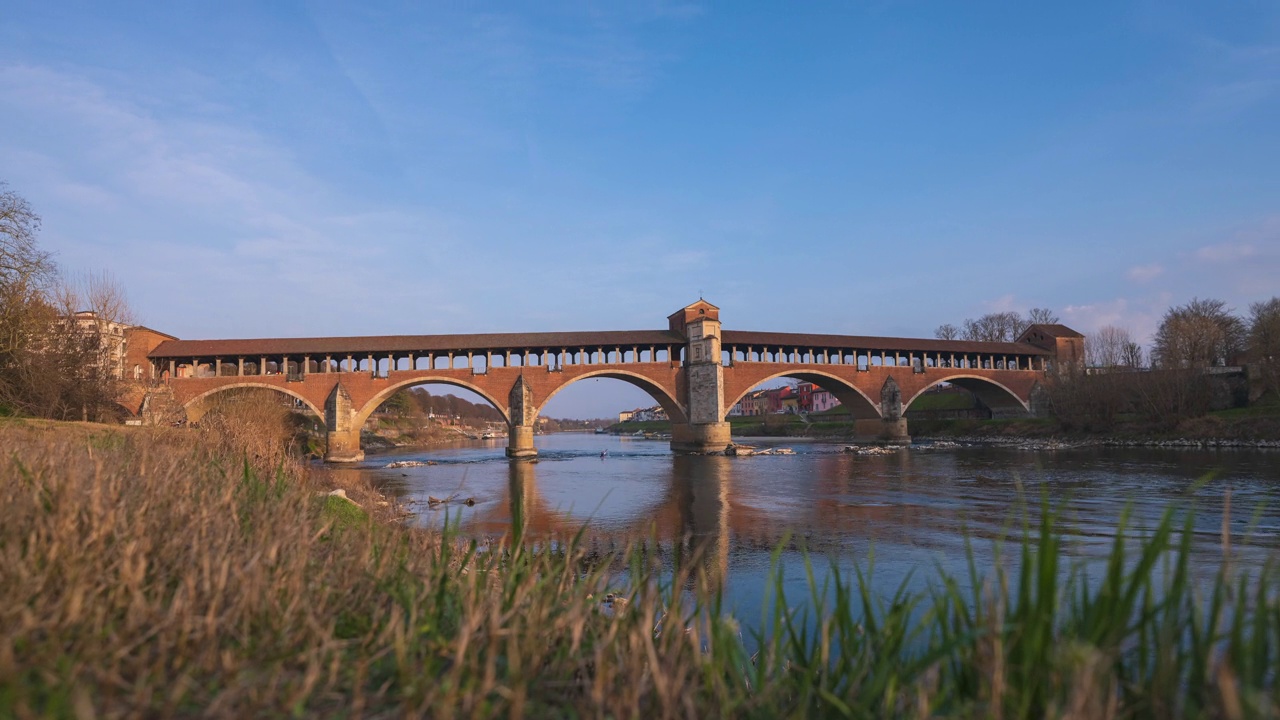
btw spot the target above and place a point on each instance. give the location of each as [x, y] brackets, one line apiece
[520, 442]
[343, 437]
[889, 431]
[700, 437]
[343, 446]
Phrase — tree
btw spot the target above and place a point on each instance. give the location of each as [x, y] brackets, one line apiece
[61, 345]
[947, 332]
[20, 259]
[994, 327]
[1040, 316]
[26, 272]
[1133, 356]
[1110, 346]
[1264, 342]
[1264, 330]
[71, 367]
[1198, 334]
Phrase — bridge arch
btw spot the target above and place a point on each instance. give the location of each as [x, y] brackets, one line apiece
[861, 407]
[196, 407]
[675, 411]
[376, 401]
[995, 395]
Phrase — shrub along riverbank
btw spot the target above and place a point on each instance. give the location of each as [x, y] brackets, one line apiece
[159, 573]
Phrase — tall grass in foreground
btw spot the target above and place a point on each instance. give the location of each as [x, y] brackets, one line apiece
[144, 574]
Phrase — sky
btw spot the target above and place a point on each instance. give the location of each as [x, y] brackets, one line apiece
[286, 169]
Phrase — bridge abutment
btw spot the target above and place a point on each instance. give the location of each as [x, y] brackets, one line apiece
[700, 437]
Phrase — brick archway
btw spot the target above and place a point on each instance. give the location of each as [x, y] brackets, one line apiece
[998, 396]
[385, 394]
[198, 403]
[675, 411]
[860, 405]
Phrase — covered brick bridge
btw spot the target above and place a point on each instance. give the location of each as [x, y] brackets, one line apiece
[693, 369]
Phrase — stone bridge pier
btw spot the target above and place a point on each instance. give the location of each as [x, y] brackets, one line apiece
[343, 428]
[523, 416]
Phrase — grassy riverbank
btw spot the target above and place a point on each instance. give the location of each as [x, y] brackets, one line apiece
[1258, 422]
[157, 573]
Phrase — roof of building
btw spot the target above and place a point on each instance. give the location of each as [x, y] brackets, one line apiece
[379, 344]
[144, 328]
[401, 344]
[858, 342]
[1054, 330]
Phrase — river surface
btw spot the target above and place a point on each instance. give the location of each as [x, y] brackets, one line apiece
[914, 510]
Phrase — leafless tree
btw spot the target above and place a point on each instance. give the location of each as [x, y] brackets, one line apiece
[1264, 342]
[947, 332]
[1040, 316]
[1108, 347]
[1198, 334]
[1133, 356]
[26, 272]
[20, 259]
[53, 362]
[994, 327]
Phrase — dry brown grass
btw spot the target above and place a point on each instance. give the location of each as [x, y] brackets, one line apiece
[145, 573]
[150, 573]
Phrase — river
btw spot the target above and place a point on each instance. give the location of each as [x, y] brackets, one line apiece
[912, 509]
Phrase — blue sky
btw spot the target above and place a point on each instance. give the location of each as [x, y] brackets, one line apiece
[289, 169]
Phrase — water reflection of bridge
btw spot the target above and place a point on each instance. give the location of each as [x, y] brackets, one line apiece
[701, 509]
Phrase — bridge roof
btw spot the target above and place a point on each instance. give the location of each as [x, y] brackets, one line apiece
[860, 342]
[381, 344]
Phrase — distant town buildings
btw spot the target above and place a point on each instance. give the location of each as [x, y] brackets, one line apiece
[643, 414]
[802, 397]
[123, 347]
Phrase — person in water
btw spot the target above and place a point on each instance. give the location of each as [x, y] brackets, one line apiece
[604, 454]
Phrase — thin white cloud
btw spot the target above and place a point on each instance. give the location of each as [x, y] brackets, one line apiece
[1226, 252]
[1145, 273]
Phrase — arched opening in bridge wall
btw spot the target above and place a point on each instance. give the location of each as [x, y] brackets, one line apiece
[399, 392]
[990, 395]
[762, 400]
[425, 410]
[197, 406]
[578, 401]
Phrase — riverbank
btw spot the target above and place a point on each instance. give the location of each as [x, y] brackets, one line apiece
[1257, 427]
[154, 572]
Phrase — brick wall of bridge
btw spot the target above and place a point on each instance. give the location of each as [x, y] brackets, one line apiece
[664, 380]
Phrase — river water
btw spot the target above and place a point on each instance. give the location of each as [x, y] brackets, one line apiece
[911, 510]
